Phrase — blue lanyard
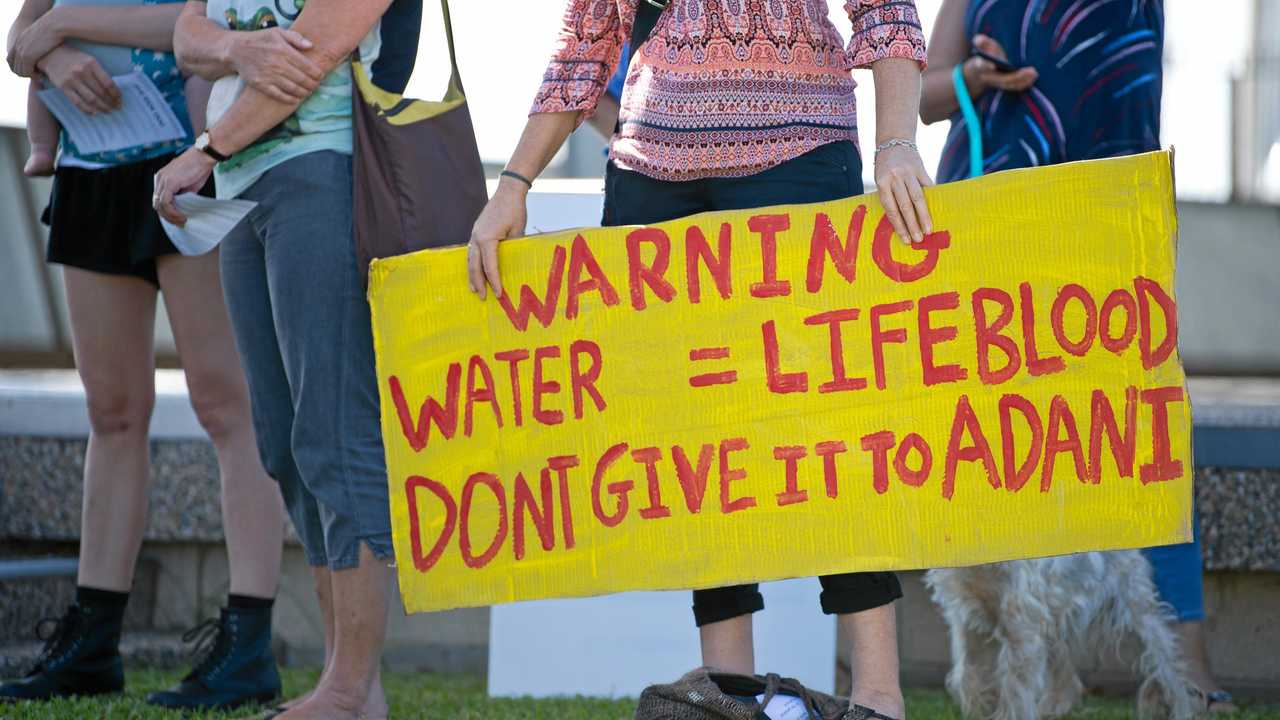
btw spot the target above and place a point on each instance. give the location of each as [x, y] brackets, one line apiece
[971, 120]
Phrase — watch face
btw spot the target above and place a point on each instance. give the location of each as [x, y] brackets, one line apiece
[202, 141]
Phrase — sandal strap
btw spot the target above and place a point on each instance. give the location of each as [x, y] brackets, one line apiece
[861, 712]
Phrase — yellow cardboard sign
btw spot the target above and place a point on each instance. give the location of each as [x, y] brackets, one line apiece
[791, 391]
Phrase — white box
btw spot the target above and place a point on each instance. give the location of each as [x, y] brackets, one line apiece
[616, 645]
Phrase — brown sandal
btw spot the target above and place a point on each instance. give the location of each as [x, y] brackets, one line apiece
[860, 712]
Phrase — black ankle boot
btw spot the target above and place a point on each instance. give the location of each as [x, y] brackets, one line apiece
[81, 656]
[238, 667]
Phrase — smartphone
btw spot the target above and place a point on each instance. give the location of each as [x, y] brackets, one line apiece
[1001, 65]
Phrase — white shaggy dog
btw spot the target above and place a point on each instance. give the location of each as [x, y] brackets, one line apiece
[1018, 628]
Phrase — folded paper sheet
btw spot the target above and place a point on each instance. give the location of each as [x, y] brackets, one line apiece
[209, 221]
[143, 118]
[791, 391]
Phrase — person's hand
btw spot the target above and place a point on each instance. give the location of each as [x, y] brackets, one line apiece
[186, 173]
[271, 61]
[503, 217]
[900, 182]
[980, 74]
[32, 44]
[85, 83]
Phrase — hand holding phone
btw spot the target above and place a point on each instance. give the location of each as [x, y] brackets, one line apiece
[1000, 64]
[987, 67]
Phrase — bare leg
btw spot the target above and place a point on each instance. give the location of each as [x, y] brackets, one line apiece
[252, 509]
[728, 645]
[351, 680]
[112, 319]
[42, 134]
[376, 705]
[873, 635]
[1191, 638]
[324, 595]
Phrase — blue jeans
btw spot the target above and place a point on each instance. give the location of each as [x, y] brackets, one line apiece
[302, 326]
[1179, 575]
[828, 172]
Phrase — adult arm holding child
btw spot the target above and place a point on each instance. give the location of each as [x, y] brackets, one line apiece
[74, 72]
[333, 27]
[141, 26]
[273, 60]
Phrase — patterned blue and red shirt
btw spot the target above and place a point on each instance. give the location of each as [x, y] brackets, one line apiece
[1098, 91]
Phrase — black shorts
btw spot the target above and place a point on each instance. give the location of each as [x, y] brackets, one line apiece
[102, 220]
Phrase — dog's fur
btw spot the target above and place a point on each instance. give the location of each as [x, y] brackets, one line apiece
[1018, 628]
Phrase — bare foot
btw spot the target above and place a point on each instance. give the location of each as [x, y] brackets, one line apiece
[887, 704]
[325, 703]
[323, 706]
[39, 163]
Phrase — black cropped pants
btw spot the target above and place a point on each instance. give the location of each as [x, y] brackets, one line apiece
[829, 172]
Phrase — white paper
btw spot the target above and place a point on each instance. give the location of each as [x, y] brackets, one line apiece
[144, 118]
[208, 222]
[785, 707]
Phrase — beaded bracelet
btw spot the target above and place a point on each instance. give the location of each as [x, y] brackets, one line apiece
[896, 142]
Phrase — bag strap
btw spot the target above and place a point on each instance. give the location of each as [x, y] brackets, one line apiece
[647, 14]
[455, 80]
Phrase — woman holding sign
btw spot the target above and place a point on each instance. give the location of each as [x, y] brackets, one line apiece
[1025, 87]
[115, 257]
[727, 106]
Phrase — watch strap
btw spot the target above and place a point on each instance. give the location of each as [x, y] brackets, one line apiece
[207, 148]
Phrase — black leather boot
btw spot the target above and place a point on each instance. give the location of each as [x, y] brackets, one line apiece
[237, 669]
[81, 656]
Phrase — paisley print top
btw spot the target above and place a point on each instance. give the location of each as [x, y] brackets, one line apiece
[724, 88]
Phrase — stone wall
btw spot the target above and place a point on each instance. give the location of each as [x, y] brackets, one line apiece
[183, 574]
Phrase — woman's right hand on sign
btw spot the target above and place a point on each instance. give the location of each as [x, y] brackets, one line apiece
[85, 83]
[272, 62]
[503, 217]
[980, 74]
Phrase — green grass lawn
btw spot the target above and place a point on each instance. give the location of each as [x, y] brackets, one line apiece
[446, 697]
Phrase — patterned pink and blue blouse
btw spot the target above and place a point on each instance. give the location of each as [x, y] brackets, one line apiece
[1098, 93]
[724, 88]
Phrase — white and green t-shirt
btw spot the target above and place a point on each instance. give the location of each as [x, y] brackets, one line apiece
[321, 122]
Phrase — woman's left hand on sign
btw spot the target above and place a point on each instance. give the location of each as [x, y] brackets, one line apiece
[38, 40]
[900, 182]
[503, 217]
[186, 173]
